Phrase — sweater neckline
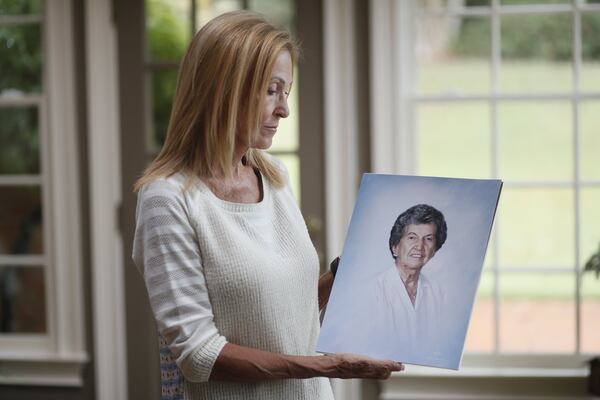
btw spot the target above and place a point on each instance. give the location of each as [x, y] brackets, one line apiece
[239, 207]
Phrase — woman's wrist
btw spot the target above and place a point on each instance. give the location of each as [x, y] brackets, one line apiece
[305, 367]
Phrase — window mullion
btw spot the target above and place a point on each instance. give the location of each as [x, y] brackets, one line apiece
[15, 20]
[495, 74]
[23, 260]
[46, 175]
[193, 17]
[577, 54]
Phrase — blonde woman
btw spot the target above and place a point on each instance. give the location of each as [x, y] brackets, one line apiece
[231, 273]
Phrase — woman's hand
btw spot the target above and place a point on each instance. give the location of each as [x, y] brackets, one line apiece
[349, 366]
[326, 283]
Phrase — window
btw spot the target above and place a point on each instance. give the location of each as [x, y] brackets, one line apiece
[40, 298]
[511, 90]
[170, 26]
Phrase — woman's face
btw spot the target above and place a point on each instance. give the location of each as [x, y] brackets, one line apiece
[416, 247]
[275, 104]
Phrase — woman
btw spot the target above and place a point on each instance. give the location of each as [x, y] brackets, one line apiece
[230, 270]
[408, 303]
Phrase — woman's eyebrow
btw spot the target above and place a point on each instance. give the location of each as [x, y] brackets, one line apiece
[281, 80]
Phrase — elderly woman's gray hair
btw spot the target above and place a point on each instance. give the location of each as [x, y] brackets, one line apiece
[417, 215]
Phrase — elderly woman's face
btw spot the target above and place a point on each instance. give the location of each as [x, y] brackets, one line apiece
[416, 246]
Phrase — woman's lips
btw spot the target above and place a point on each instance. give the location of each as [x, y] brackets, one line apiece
[271, 129]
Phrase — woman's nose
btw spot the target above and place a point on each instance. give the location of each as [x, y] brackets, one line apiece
[282, 109]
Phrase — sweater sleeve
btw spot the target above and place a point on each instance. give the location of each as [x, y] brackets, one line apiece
[166, 251]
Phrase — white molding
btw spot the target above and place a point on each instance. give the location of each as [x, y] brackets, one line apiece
[341, 126]
[21, 180]
[19, 99]
[51, 372]
[392, 145]
[66, 212]
[383, 94]
[341, 138]
[105, 196]
[488, 385]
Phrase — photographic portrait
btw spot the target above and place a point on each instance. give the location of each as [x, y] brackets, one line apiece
[410, 267]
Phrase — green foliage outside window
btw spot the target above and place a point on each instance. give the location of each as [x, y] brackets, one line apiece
[20, 73]
[168, 34]
[20, 7]
[545, 37]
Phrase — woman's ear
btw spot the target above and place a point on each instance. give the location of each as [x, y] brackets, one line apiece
[395, 251]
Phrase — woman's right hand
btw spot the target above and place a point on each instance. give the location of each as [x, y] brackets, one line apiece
[349, 366]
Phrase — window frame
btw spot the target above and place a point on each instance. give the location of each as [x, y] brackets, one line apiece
[56, 357]
[393, 145]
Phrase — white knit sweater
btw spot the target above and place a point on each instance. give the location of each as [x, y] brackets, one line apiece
[220, 272]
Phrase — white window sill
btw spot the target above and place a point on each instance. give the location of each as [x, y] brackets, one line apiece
[497, 372]
[494, 378]
[42, 370]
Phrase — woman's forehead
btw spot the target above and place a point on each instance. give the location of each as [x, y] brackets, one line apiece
[421, 229]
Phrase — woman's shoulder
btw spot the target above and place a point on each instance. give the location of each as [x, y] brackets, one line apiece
[172, 187]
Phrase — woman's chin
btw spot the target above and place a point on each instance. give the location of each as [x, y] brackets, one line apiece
[262, 145]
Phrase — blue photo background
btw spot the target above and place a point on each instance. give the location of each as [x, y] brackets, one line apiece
[468, 206]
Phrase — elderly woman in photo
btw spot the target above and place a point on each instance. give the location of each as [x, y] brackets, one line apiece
[407, 301]
[230, 270]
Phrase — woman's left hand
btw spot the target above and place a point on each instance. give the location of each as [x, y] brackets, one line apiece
[326, 283]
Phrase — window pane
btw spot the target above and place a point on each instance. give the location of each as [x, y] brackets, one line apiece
[279, 11]
[535, 140]
[20, 59]
[537, 313]
[480, 337]
[453, 55]
[287, 137]
[590, 139]
[19, 141]
[453, 140]
[22, 300]
[292, 163]
[589, 223]
[590, 52]
[162, 86]
[21, 222]
[536, 53]
[20, 7]
[536, 228]
[208, 9]
[168, 28]
[590, 312]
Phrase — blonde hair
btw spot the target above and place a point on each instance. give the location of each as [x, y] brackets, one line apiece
[220, 87]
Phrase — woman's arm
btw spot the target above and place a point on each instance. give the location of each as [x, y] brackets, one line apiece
[239, 363]
[325, 285]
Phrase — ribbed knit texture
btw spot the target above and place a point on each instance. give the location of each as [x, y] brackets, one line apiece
[218, 271]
